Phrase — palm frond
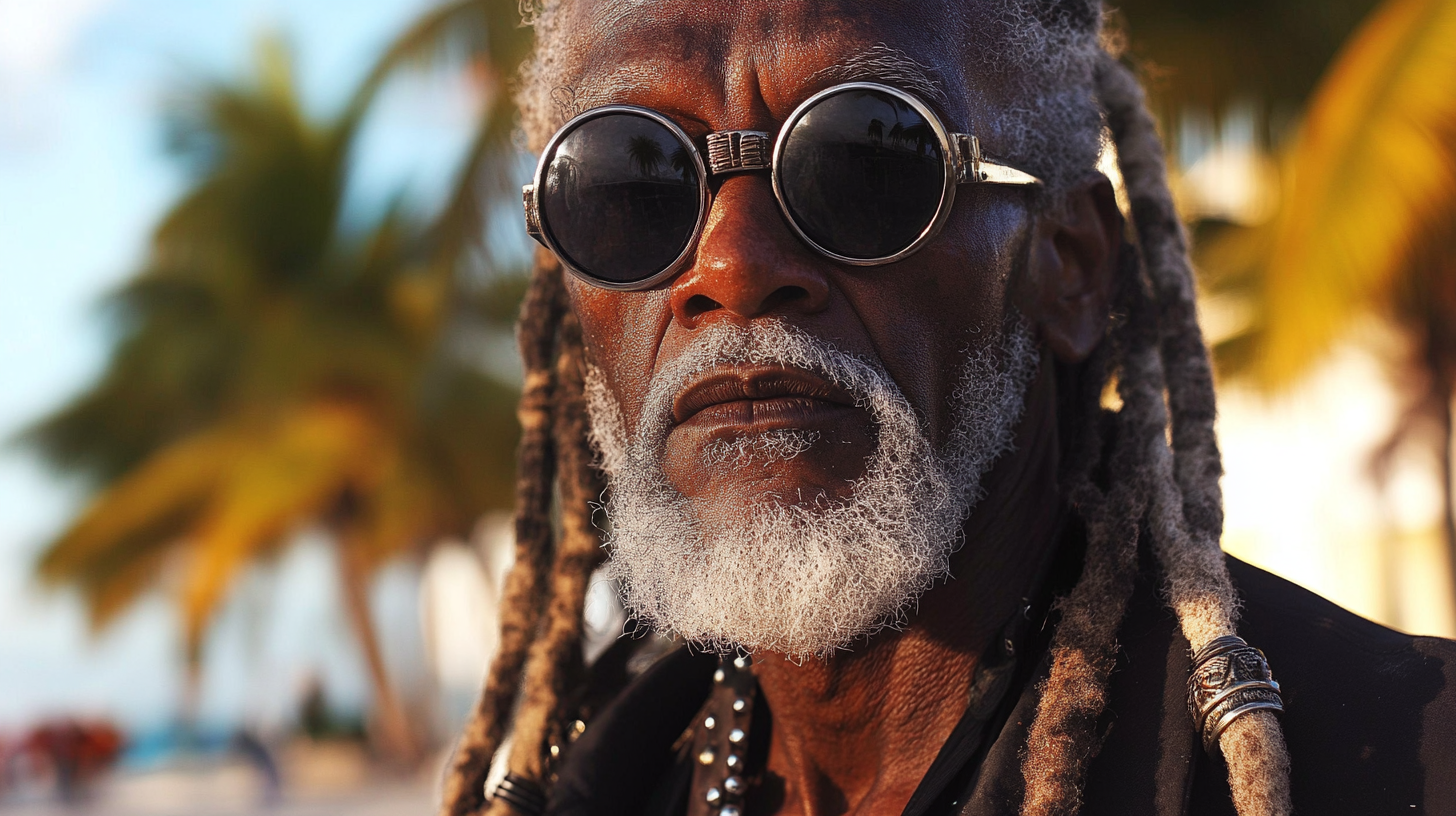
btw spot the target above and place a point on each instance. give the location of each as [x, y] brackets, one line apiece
[1208, 54]
[294, 468]
[160, 497]
[483, 33]
[1372, 172]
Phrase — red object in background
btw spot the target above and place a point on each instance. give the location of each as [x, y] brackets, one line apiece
[72, 752]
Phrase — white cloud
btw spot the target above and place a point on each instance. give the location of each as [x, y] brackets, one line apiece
[36, 36]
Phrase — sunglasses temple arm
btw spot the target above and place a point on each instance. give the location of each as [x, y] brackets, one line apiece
[533, 215]
[973, 168]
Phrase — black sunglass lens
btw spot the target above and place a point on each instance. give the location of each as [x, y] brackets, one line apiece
[621, 197]
[862, 174]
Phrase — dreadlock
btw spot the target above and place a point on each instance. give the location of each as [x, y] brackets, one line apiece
[463, 791]
[1157, 481]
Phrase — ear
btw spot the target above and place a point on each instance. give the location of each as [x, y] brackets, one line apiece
[1073, 261]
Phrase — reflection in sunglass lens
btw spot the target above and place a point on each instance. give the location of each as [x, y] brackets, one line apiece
[621, 197]
[862, 173]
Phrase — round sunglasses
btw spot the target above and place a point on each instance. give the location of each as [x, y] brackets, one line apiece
[865, 174]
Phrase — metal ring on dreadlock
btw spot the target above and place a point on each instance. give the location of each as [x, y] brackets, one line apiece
[525, 796]
[1230, 679]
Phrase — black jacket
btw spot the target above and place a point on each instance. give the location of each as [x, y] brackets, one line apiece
[1370, 720]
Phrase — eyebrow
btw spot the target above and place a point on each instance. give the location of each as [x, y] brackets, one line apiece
[889, 65]
[590, 93]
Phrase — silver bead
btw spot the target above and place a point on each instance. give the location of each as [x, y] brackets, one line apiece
[718, 676]
[555, 751]
[707, 756]
[736, 736]
[733, 784]
[1230, 678]
[710, 723]
[714, 796]
[733, 761]
[730, 810]
[740, 704]
[740, 662]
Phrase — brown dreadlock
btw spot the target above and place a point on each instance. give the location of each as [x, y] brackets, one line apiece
[1167, 494]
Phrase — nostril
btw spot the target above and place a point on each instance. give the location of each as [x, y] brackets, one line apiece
[784, 296]
[699, 305]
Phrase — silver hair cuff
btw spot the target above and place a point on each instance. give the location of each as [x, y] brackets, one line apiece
[1230, 679]
[520, 793]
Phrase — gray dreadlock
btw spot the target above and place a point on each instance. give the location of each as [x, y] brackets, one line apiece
[1067, 92]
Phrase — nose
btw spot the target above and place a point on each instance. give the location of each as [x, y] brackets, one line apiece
[748, 263]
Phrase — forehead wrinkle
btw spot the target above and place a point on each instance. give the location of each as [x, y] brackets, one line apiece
[627, 53]
[879, 63]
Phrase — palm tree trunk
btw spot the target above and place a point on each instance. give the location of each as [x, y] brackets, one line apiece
[396, 738]
[191, 707]
[1448, 485]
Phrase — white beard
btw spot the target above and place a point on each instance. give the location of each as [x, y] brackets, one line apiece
[801, 579]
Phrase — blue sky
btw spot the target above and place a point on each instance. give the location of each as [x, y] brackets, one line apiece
[82, 179]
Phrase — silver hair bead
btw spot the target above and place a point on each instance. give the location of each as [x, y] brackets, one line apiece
[736, 736]
[714, 796]
[707, 756]
[730, 810]
[733, 761]
[733, 784]
[1230, 678]
[710, 723]
[740, 704]
[524, 795]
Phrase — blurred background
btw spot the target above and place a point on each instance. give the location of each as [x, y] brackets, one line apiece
[262, 260]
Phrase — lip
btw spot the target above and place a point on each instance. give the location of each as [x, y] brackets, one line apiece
[751, 395]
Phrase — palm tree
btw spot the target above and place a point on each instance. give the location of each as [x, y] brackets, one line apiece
[487, 39]
[274, 369]
[1367, 227]
[646, 155]
[682, 162]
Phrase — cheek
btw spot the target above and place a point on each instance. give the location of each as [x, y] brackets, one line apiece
[923, 313]
[621, 333]
[977, 253]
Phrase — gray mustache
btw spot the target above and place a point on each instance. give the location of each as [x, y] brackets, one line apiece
[768, 343]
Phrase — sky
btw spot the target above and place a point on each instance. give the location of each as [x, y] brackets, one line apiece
[82, 179]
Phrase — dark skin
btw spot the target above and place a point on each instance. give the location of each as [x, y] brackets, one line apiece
[856, 732]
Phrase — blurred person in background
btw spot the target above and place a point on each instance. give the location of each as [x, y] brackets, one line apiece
[928, 487]
[71, 754]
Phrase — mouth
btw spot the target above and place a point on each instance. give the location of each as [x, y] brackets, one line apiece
[759, 396]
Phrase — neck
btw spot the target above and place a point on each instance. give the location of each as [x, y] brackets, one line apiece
[856, 733]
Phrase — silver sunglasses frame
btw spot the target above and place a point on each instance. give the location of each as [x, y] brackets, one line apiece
[741, 151]
[532, 196]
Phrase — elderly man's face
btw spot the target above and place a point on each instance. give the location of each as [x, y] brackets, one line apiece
[742, 430]
[723, 66]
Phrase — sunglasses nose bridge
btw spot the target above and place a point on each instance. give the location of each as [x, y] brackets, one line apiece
[748, 264]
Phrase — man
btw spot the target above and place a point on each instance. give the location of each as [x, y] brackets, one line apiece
[839, 291]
